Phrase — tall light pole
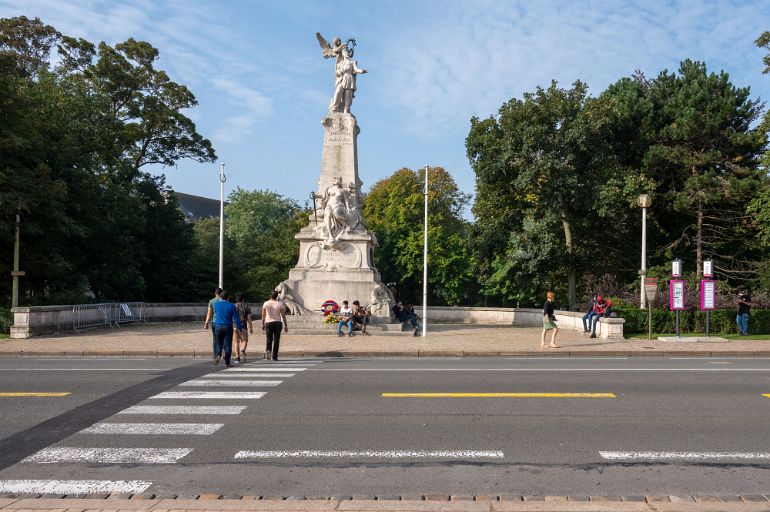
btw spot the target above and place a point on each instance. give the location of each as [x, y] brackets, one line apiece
[222, 179]
[16, 273]
[644, 201]
[425, 263]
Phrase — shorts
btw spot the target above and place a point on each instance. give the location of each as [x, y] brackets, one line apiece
[549, 324]
[242, 335]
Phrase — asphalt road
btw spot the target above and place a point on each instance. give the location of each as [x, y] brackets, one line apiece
[346, 427]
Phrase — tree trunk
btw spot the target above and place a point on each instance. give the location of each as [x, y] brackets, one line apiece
[571, 278]
[699, 241]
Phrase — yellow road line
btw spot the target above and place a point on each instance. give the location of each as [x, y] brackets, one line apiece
[32, 394]
[766, 395]
[498, 395]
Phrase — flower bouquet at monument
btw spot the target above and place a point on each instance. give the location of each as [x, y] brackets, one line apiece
[331, 319]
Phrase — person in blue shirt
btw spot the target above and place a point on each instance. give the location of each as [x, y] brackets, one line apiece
[225, 315]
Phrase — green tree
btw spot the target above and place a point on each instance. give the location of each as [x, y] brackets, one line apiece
[79, 125]
[705, 164]
[262, 225]
[393, 210]
[538, 166]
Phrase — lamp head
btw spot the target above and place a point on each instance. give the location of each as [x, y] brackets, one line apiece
[644, 201]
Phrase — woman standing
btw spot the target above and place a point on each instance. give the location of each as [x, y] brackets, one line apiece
[549, 321]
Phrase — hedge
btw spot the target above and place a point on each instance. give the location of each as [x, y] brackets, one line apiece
[6, 320]
[691, 321]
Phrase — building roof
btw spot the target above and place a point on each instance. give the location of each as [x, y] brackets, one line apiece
[197, 207]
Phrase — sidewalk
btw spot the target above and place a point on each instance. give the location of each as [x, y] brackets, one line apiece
[190, 340]
[212, 502]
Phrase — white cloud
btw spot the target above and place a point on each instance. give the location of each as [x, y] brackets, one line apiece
[473, 56]
[257, 107]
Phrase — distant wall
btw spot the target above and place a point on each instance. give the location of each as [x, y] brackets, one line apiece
[609, 328]
[40, 320]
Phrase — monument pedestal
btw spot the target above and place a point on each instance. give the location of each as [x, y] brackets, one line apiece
[336, 250]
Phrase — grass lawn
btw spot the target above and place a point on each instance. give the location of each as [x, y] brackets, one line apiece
[643, 336]
[4, 336]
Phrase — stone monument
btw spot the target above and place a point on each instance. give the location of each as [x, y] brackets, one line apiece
[336, 249]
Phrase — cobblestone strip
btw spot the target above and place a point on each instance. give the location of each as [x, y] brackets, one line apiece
[505, 498]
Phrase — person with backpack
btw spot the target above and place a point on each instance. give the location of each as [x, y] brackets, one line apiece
[601, 310]
[242, 335]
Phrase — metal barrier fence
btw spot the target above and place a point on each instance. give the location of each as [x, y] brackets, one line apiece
[114, 314]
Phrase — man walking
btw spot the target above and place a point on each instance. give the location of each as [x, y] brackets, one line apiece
[226, 314]
[273, 316]
[211, 315]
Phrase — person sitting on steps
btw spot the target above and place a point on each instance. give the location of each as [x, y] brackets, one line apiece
[346, 318]
[360, 316]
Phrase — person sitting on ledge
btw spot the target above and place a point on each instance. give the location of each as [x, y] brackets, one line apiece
[360, 316]
[346, 318]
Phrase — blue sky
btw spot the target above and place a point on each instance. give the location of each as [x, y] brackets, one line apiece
[262, 85]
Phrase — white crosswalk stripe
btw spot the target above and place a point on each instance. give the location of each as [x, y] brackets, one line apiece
[247, 375]
[66, 454]
[684, 456]
[371, 454]
[197, 429]
[73, 486]
[259, 370]
[220, 383]
[185, 409]
[211, 395]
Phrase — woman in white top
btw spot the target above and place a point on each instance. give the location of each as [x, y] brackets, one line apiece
[273, 316]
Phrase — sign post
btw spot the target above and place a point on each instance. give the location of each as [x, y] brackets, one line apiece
[708, 293]
[676, 299]
[650, 292]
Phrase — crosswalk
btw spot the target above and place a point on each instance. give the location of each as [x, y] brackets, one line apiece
[206, 400]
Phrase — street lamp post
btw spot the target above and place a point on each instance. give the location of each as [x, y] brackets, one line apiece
[16, 273]
[222, 179]
[644, 201]
[425, 263]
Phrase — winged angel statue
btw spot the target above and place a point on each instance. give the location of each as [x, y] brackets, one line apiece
[345, 71]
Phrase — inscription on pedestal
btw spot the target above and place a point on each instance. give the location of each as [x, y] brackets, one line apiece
[346, 256]
[339, 134]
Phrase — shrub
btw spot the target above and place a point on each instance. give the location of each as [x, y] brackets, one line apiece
[6, 320]
[663, 320]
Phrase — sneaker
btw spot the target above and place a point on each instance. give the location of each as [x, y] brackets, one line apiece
[216, 361]
[339, 334]
[275, 358]
[350, 335]
[416, 331]
[242, 359]
[267, 354]
[228, 365]
[592, 335]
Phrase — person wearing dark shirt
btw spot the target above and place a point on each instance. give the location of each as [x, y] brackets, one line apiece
[226, 315]
[588, 316]
[744, 311]
[549, 321]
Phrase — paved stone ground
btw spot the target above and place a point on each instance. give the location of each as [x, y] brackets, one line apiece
[213, 502]
[189, 339]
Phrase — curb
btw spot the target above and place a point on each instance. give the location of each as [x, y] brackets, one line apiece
[424, 503]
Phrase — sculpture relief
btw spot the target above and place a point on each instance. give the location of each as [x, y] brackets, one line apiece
[338, 212]
[345, 71]
[381, 301]
[285, 295]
